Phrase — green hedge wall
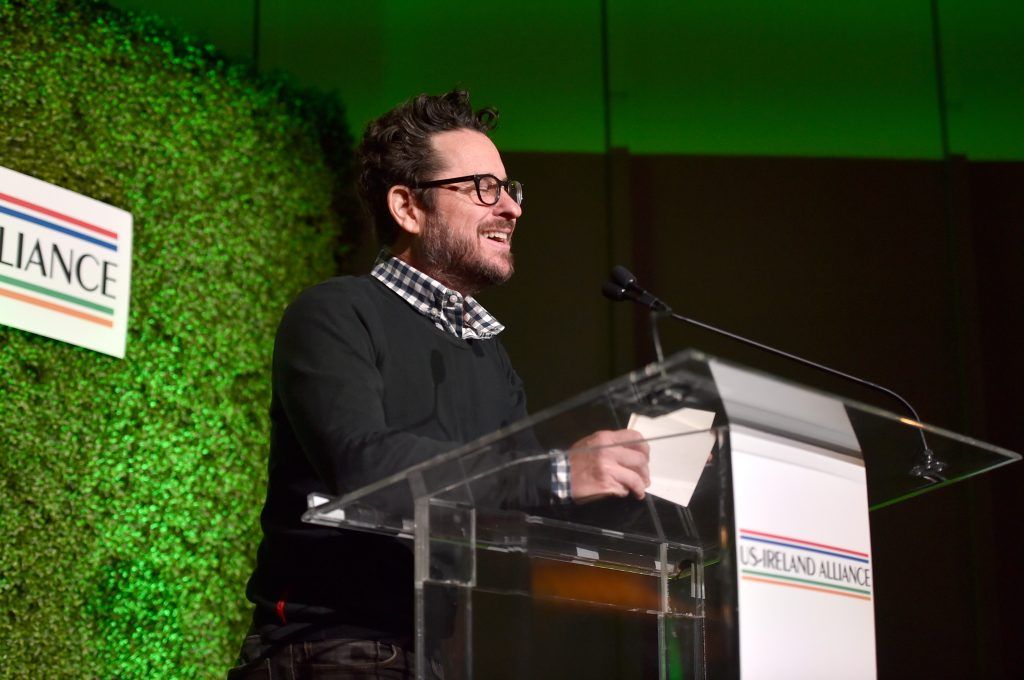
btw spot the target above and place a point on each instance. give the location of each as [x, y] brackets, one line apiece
[130, 489]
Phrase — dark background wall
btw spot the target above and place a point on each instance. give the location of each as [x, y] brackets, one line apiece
[840, 179]
[852, 262]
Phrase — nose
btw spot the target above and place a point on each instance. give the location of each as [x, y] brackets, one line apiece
[507, 208]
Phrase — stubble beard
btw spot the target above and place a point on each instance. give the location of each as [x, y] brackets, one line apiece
[457, 261]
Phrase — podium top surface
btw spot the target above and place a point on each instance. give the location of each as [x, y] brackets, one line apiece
[690, 396]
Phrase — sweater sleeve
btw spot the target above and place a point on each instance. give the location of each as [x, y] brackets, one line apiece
[535, 484]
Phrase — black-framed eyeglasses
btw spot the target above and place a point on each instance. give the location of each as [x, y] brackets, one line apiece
[488, 187]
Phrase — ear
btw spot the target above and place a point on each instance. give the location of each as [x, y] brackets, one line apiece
[405, 209]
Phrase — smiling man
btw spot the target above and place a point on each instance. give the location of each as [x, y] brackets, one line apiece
[464, 240]
[373, 374]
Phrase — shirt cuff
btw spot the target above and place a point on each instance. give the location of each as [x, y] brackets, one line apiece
[560, 484]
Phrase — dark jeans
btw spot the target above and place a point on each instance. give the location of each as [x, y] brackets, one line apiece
[339, 659]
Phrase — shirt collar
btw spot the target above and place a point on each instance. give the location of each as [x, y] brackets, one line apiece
[462, 316]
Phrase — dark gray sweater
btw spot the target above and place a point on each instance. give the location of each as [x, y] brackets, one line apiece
[363, 387]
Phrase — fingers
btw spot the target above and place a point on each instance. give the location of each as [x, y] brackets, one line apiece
[609, 463]
[596, 476]
[625, 447]
[629, 481]
[629, 459]
[609, 438]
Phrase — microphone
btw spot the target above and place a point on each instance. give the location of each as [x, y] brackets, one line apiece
[613, 291]
[623, 286]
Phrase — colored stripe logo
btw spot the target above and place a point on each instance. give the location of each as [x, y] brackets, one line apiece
[805, 584]
[55, 226]
[808, 546]
[39, 302]
[790, 562]
[45, 297]
[55, 294]
[65, 264]
[60, 216]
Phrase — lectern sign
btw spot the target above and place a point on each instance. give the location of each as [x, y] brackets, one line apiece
[808, 565]
[803, 542]
[65, 264]
[806, 605]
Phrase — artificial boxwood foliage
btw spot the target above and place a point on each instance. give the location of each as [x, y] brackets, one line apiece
[130, 489]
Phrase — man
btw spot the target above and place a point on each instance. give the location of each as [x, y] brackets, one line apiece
[373, 374]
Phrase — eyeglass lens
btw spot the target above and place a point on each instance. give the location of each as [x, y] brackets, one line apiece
[490, 187]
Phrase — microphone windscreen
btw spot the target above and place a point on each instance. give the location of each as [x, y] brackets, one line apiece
[613, 291]
[623, 276]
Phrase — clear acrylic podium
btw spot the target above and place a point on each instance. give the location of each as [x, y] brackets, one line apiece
[507, 587]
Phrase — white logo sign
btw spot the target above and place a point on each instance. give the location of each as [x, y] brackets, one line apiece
[65, 264]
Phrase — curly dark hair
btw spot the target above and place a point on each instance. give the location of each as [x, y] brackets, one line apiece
[396, 149]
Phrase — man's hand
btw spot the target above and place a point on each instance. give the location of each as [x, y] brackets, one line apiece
[609, 463]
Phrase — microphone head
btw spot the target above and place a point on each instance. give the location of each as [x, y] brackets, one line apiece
[623, 276]
[613, 291]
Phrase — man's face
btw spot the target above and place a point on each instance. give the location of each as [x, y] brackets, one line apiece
[465, 244]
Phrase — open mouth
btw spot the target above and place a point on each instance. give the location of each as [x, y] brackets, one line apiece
[497, 236]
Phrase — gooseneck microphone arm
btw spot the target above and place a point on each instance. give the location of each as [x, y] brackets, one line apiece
[623, 286]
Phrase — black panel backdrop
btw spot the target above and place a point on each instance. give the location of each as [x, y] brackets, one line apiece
[850, 262]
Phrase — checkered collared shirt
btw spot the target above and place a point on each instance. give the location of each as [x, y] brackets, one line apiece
[463, 317]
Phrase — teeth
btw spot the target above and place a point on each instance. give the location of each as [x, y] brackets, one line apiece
[496, 235]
